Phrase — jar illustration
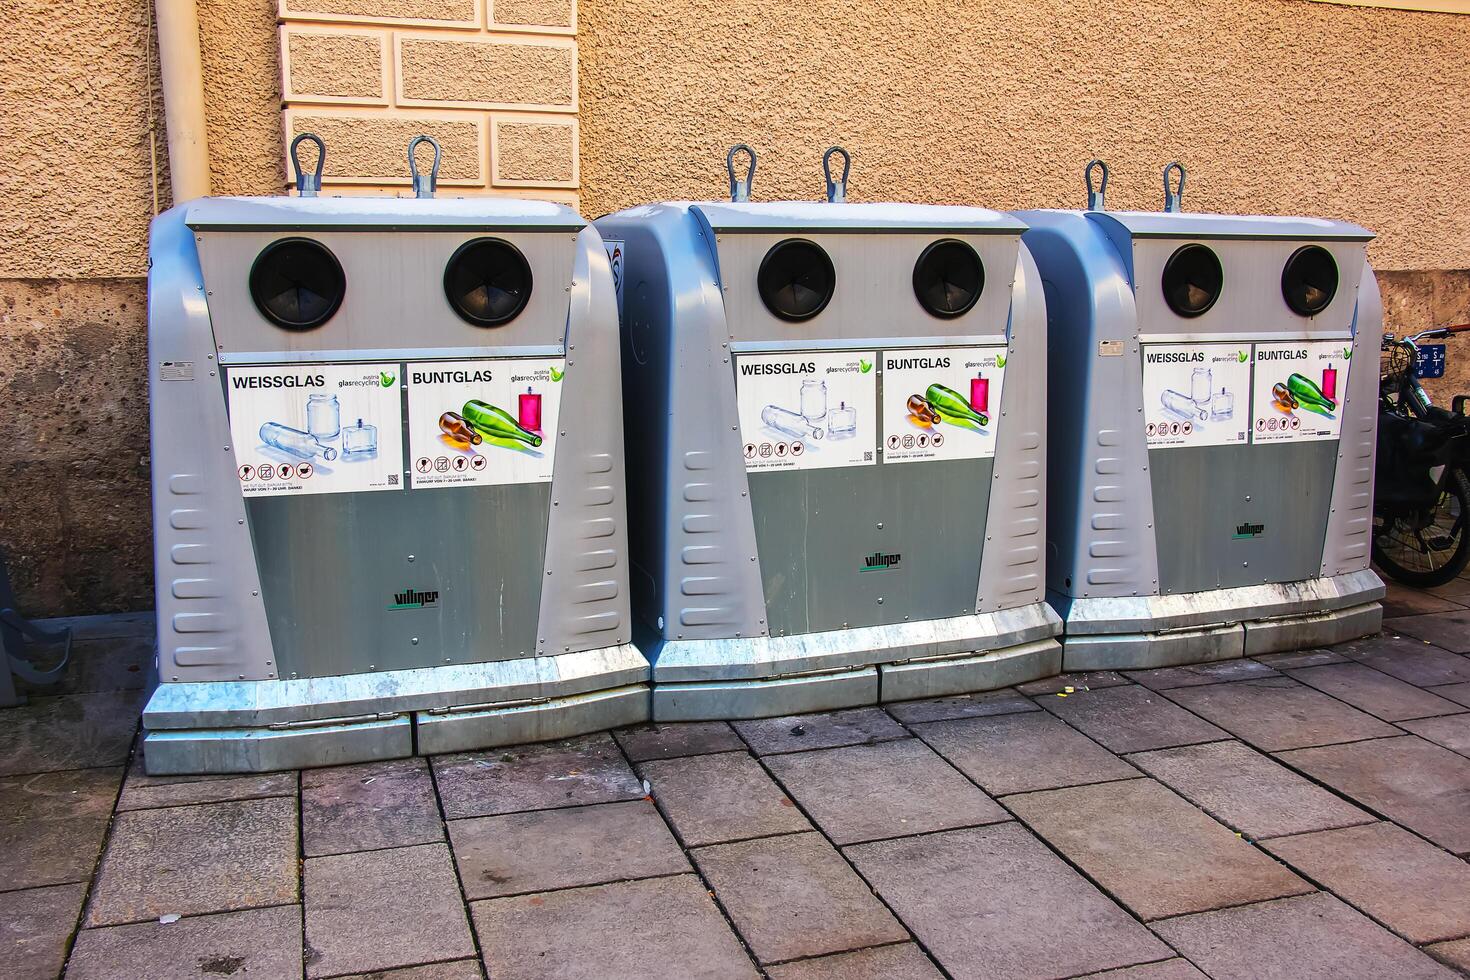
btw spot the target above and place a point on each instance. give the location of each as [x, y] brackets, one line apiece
[814, 400]
[1201, 386]
[323, 416]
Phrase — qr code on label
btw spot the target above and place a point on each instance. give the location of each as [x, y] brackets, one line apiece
[392, 479]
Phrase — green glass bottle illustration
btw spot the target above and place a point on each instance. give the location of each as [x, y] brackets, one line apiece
[1307, 393]
[496, 423]
[953, 405]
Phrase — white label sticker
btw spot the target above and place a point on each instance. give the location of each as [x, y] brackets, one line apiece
[1109, 348]
[176, 371]
[1196, 394]
[941, 403]
[1297, 391]
[316, 428]
[807, 410]
[483, 422]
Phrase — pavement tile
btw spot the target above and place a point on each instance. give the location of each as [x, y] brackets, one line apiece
[121, 664]
[795, 896]
[35, 925]
[1451, 731]
[1410, 781]
[144, 792]
[1175, 969]
[1193, 675]
[1401, 601]
[1248, 791]
[52, 825]
[867, 792]
[1458, 693]
[1300, 658]
[193, 860]
[1456, 954]
[1374, 691]
[1409, 885]
[1415, 661]
[370, 806]
[1152, 850]
[563, 848]
[376, 910]
[574, 772]
[903, 961]
[1003, 702]
[1309, 937]
[250, 943]
[1083, 681]
[995, 902]
[710, 799]
[1448, 631]
[658, 929]
[644, 742]
[73, 731]
[1276, 713]
[799, 733]
[1017, 753]
[1131, 719]
[458, 970]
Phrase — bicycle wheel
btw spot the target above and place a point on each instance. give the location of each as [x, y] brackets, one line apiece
[1427, 547]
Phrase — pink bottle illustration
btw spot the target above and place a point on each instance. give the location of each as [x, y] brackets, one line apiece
[1329, 382]
[529, 411]
[980, 393]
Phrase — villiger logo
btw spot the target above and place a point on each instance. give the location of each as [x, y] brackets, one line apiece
[411, 598]
[1249, 530]
[879, 562]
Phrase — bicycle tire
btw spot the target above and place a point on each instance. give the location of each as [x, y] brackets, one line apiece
[1457, 485]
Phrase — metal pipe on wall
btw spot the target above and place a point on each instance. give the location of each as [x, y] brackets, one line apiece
[182, 73]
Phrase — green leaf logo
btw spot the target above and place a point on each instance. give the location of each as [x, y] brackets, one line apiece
[1347, 353]
[386, 379]
[1000, 360]
[865, 366]
[557, 375]
[1242, 355]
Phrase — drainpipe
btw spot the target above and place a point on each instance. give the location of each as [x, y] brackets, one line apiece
[183, 98]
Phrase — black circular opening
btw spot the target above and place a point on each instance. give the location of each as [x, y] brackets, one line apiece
[297, 283]
[488, 282]
[1309, 280]
[796, 279]
[1192, 280]
[948, 278]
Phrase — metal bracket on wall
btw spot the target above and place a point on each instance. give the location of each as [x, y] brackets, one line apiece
[1095, 198]
[309, 185]
[1173, 200]
[740, 189]
[836, 189]
[423, 185]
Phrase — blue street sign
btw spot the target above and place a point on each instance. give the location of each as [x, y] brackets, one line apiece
[1431, 360]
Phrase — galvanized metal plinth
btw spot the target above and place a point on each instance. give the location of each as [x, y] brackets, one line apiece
[1167, 631]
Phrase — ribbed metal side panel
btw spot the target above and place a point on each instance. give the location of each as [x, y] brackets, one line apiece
[1348, 544]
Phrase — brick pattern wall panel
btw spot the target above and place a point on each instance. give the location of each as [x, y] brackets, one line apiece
[528, 150]
[431, 13]
[372, 148]
[550, 16]
[491, 73]
[335, 65]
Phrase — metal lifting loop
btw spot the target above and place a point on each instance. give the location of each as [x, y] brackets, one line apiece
[836, 189]
[309, 185]
[740, 189]
[1095, 197]
[1174, 200]
[423, 186]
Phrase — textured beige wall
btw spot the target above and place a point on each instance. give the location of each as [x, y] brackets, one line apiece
[1273, 105]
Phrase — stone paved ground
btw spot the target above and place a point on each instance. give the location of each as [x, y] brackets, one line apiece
[1295, 815]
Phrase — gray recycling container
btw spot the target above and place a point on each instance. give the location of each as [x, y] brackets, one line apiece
[802, 539]
[387, 481]
[1213, 395]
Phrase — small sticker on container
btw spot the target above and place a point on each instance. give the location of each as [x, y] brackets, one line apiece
[1109, 348]
[175, 370]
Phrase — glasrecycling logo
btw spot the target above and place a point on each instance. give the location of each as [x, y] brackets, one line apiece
[1242, 356]
[386, 378]
[865, 366]
[557, 375]
[1000, 360]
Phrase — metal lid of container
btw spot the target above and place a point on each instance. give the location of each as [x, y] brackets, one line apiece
[378, 214]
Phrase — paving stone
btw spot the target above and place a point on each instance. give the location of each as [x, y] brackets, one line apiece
[73, 731]
[1175, 969]
[192, 860]
[1412, 887]
[1413, 782]
[1152, 850]
[1003, 702]
[1402, 600]
[375, 910]
[52, 825]
[144, 792]
[1375, 692]
[35, 925]
[1084, 681]
[365, 807]
[1451, 731]
[1131, 719]
[799, 733]
[795, 896]
[1193, 675]
[1310, 937]
[1412, 660]
[121, 664]
[654, 929]
[1456, 954]
[1248, 791]
[867, 792]
[574, 772]
[458, 970]
[1276, 713]
[1458, 693]
[645, 742]
[904, 961]
[251, 943]
[563, 848]
[1300, 658]
[1017, 753]
[995, 902]
[1448, 631]
[710, 799]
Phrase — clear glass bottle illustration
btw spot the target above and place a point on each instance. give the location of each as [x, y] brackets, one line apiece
[360, 441]
[1329, 382]
[1177, 403]
[494, 422]
[323, 415]
[1222, 406]
[529, 411]
[842, 422]
[1201, 387]
[980, 393]
[814, 400]
[295, 442]
[456, 428]
[794, 424]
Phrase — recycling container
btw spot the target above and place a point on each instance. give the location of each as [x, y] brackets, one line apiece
[836, 424]
[387, 480]
[1213, 414]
